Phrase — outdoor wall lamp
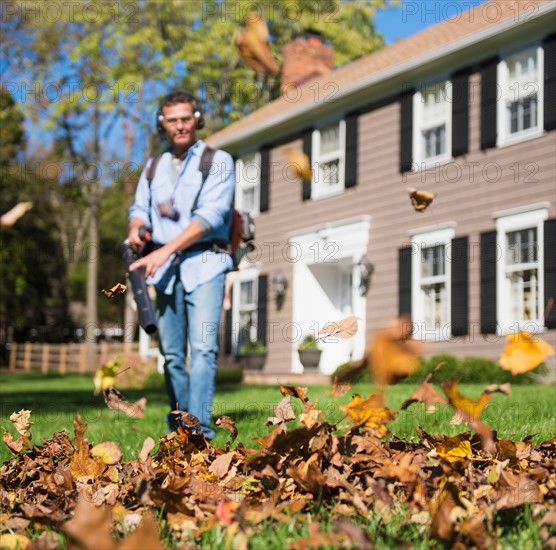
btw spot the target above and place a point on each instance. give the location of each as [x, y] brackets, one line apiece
[366, 270]
[280, 284]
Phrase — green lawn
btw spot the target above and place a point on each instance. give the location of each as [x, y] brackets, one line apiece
[54, 401]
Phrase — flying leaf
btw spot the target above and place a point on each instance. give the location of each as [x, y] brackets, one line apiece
[339, 388]
[524, 352]
[311, 416]
[426, 394]
[21, 422]
[283, 412]
[11, 216]
[116, 401]
[253, 46]
[295, 391]
[118, 288]
[227, 423]
[346, 328]
[301, 164]
[393, 355]
[370, 413]
[420, 200]
[148, 446]
[105, 377]
[108, 451]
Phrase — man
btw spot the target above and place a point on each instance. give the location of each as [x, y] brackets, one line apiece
[186, 267]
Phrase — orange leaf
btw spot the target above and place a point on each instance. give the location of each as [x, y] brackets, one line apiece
[118, 288]
[295, 391]
[468, 408]
[339, 388]
[346, 328]
[393, 354]
[420, 200]
[524, 352]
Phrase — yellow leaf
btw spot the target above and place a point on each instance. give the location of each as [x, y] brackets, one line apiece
[300, 163]
[11, 541]
[524, 352]
[454, 448]
[105, 377]
[370, 413]
[108, 452]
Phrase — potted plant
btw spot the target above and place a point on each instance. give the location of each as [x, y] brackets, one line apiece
[253, 355]
[309, 352]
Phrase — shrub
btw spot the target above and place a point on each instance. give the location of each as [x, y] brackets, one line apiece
[308, 342]
[252, 347]
[362, 375]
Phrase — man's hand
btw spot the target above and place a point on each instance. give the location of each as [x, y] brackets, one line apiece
[151, 262]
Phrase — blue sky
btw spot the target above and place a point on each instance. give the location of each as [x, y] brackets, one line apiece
[411, 16]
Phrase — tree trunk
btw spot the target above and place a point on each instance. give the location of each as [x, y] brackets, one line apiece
[93, 257]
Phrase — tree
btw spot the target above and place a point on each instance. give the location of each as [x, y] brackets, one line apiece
[90, 75]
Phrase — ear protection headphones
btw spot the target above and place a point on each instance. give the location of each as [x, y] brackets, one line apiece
[173, 99]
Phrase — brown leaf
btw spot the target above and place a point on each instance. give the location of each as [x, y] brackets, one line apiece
[445, 508]
[221, 466]
[426, 394]
[253, 46]
[148, 446]
[420, 200]
[311, 416]
[227, 423]
[346, 328]
[283, 412]
[115, 401]
[393, 354]
[14, 445]
[308, 475]
[339, 388]
[295, 391]
[118, 288]
[21, 422]
[145, 536]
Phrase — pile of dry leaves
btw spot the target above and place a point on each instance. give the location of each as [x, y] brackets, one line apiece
[450, 487]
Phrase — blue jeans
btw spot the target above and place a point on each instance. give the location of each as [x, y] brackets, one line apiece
[191, 318]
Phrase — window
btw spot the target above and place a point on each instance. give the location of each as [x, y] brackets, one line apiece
[521, 83]
[520, 271]
[248, 182]
[431, 284]
[245, 307]
[432, 127]
[328, 160]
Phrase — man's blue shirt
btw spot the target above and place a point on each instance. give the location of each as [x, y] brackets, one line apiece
[213, 214]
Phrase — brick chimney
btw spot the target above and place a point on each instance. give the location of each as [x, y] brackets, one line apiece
[305, 58]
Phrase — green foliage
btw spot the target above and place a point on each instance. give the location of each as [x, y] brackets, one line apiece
[252, 347]
[470, 370]
[308, 342]
[363, 375]
[12, 138]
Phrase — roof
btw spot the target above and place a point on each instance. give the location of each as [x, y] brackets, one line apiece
[383, 63]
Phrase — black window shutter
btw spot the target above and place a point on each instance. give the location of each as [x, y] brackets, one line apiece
[489, 252]
[460, 287]
[549, 46]
[262, 308]
[460, 113]
[406, 130]
[404, 280]
[265, 180]
[351, 150]
[228, 329]
[550, 271]
[489, 93]
[307, 149]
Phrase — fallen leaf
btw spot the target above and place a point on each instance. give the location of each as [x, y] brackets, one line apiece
[148, 446]
[524, 352]
[311, 416]
[445, 508]
[300, 162]
[339, 388]
[454, 449]
[283, 412]
[108, 451]
[119, 288]
[346, 328]
[13, 541]
[420, 200]
[221, 465]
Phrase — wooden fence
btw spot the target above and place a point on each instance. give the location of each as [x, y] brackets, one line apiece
[64, 358]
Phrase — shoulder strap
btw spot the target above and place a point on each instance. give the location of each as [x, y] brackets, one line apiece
[151, 170]
[204, 166]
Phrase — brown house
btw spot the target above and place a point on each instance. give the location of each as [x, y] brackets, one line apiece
[465, 110]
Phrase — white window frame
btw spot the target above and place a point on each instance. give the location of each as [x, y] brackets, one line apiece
[244, 183]
[419, 127]
[426, 240]
[318, 190]
[512, 91]
[250, 274]
[507, 224]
